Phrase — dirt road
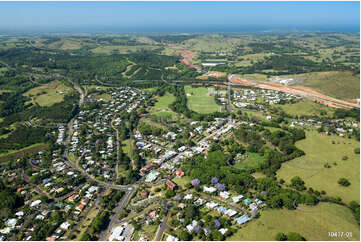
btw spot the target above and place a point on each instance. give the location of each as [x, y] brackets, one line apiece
[296, 90]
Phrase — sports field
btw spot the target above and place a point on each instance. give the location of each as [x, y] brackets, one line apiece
[49, 93]
[200, 100]
[320, 150]
[313, 223]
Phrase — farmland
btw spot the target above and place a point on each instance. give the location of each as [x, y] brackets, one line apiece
[320, 150]
[200, 100]
[306, 108]
[313, 225]
[149, 127]
[108, 49]
[343, 85]
[48, 94]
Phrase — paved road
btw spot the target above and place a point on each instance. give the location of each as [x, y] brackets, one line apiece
[162, 227]
[114, 219]
[229, 106]
[36, 187]
[335, 102]
[118, 148]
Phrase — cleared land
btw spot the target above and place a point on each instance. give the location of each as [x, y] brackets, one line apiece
[306, 108]
[163, 102]
[86, 222]
[161, 109]
[200, 100]
[252, 160]
[126, 147]
[13, 154]
[314, 225]
[66, 44]
[337, 84]
[48, 94]
[121, 49]
[320, 150]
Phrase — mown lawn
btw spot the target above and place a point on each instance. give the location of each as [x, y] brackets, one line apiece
[313, 224]
[319, 150]
[201, 101]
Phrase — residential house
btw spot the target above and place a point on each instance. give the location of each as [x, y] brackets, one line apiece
[170, 184]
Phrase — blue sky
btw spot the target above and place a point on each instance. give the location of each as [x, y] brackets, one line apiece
[175, 16]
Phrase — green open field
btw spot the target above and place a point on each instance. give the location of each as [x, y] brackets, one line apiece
[339, 84]
[247, 60]
[86, 222]
[201, 101]
[166, 115]
[95, 87]
[13, 154]
[255, 77]
[306, 107]
[163, 102]
[122, 49]
[65, 44]
[150, 89]
[313, 224]
[49, 93]
[319, 150]
[253, 160]
[212, 43]
[182, 181]
[104, 96]
[148, 231]
[126, 147]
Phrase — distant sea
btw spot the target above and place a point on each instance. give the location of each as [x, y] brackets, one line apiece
[182, 29]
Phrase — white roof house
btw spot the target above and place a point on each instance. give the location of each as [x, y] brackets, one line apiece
[172, 238]
[188, 196]
[223, 230]
[117, 234]
[230, 212]
[19, 214]
[35, 203]
[238, 198]
[209, 189]
[211, 205]
[224, 195]
[65, 225]
[11, 222]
